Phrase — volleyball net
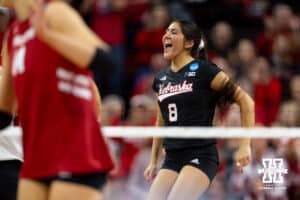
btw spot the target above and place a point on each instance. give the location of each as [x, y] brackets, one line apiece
[271, 173]
[190, 132]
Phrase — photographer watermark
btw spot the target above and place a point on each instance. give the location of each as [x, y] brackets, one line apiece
[273, 173]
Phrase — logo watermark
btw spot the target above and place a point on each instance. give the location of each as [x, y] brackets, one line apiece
[273, 173]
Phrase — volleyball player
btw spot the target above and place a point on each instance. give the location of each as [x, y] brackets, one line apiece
[10, 163]
[10, 144]
[65, 155]
[188, 92]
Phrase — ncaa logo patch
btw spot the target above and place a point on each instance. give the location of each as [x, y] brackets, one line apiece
[194, 66]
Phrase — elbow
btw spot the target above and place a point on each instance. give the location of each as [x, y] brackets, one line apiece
[247, 104]
[101, 62]
[250, 103]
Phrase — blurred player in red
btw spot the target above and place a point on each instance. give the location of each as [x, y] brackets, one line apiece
[10, 144]
[46, 73]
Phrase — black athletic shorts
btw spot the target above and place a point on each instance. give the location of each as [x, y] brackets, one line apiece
[94, 180]
[204, 158]
[9, 175]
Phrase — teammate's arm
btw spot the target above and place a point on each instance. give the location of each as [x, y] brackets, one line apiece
[68, 35]
[7, 95]
[238, 95]
[150, 171]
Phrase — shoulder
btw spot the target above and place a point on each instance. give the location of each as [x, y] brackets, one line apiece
[208, 70]
[161, 74]
[55, 7]
[159, 78]
[201, 65]
[208, 64]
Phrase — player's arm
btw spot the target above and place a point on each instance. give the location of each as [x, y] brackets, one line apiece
[7, 95]
[68, 34]
[150, 171]
[234, 93]
[157, 141]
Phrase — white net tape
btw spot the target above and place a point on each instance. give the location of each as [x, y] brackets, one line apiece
[190, 132]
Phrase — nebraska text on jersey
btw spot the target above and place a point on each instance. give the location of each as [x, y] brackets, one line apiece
[171, 90]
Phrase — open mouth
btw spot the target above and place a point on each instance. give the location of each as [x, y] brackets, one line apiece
[168, 46]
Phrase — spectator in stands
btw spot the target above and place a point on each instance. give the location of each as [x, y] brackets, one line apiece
[178, 9]
[288, 114]
[284, 62]
[222, 40]
[142, 111]
[143, 84]
[112, 112]
[267, 92]
[293, 158]
[295, 89]
[282, 21]
[148, 38]
[246, 55]
[111, 14]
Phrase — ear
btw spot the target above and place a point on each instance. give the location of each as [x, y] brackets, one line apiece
[188, 44]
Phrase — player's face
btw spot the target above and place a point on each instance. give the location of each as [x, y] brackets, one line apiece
[173, 41]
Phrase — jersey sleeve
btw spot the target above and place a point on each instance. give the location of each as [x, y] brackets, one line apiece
[211, 71]
[155, 85]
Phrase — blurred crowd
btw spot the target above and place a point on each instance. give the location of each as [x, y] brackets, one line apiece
[256, 42]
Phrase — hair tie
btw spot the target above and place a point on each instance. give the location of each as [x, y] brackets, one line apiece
[201, 45]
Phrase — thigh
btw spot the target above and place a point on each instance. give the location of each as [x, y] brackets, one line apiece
[162, 184]
[62, 190]
[31, 189]
[190, 184]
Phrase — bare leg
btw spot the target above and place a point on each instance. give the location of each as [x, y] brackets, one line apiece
[190, 184]
[162, 184]
[61, 190]
[33, 190]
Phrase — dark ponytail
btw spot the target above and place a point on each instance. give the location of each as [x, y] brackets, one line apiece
[191, 31]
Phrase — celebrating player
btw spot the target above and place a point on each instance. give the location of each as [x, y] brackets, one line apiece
[188, 92]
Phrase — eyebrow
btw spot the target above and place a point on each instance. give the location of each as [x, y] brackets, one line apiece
[171, 29]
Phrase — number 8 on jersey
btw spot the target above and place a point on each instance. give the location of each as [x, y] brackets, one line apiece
[172, 112]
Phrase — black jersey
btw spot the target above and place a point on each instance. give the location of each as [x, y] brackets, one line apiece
[186, 99]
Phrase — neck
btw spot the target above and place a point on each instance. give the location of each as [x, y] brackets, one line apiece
[21, 17]
[180, 61]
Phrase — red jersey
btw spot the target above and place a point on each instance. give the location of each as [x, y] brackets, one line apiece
[56, 110]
